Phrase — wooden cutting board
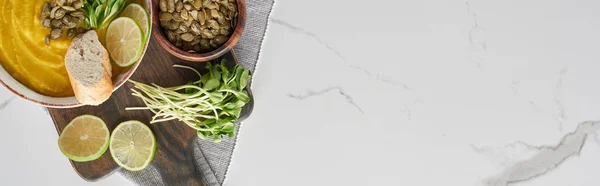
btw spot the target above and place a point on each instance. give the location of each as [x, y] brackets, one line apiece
[174, 157]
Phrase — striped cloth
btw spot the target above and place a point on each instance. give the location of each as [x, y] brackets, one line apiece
[212, 159]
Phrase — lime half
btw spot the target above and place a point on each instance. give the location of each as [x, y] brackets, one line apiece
[140, 16]
[85, 138]
[124, 41]
[132, 145]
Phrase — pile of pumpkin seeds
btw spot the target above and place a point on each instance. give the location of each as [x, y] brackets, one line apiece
[59, 15]
[198, 26]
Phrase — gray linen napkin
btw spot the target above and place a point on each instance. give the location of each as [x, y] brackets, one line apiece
[212, 159]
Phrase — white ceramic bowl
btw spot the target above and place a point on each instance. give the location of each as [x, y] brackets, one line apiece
[54, 102]
[64, 102]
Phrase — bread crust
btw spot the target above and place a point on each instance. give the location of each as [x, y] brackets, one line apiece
[98, 92]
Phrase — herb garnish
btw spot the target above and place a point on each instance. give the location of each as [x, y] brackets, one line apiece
[99, 12]
[210, 105]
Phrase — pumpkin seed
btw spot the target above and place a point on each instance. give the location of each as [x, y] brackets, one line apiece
[70, 33]
[195, 28]
[55, 34]
[163, 6]
[207, 34]
[183, 28]
[223, 9]
[214, 13]
[197, 4]
[53, 3]
[171, 36]
[225, 32]
[68, 8]
[194, 14]
[221, 19]
[47, 40]
[173, 25]
[47, 22]
[165, 16]
[224, 3]
[178, 42]
[53, 11]
[213, 44]
[77, 14]
[198, 25]
[232, 7]
[234, 22]
[213, 24]
[170, 6]
[58, 14]
[77, 4]
[165, 24]
[196, 41]
[220, 39]
[68, 3]
[202, 17]
[205, 3]
[225, 25]
[207, 14]
[187, 37]
[188, 22]
[204, 44]
[188, 6]
[56, 23]
[46, 10]
[177, 17]
[69, 21]
[213, 6]
[215, 32]
[184, 15]
[179, 6]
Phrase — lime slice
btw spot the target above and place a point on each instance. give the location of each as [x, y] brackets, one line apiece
[85, 138]
[132, 145]
[124, 41]
[139, 15]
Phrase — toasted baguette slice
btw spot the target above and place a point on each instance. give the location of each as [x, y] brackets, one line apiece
[89, 69]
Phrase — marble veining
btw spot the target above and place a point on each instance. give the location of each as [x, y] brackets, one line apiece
[545, 158]
[561, 113]
[458, 92]
[339, 90]
[381, 77]
[476, 39]
[6, 102]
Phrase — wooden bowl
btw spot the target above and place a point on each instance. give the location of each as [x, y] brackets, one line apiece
[161, 38]
[26, 93]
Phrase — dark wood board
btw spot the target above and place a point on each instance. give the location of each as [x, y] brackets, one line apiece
[174, 154]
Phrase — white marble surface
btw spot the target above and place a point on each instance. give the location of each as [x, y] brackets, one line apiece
[30, 154]
[433, 92]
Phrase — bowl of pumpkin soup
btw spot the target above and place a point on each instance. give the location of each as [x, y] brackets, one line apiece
[36, 34]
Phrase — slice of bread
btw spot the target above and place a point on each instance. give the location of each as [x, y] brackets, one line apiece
[89, 69]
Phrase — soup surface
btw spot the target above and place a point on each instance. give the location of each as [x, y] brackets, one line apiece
[24, 54]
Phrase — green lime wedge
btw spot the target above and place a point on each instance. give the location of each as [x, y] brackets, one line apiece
[140, 16]
[132, 145]
[85, 138]
[124, 41]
